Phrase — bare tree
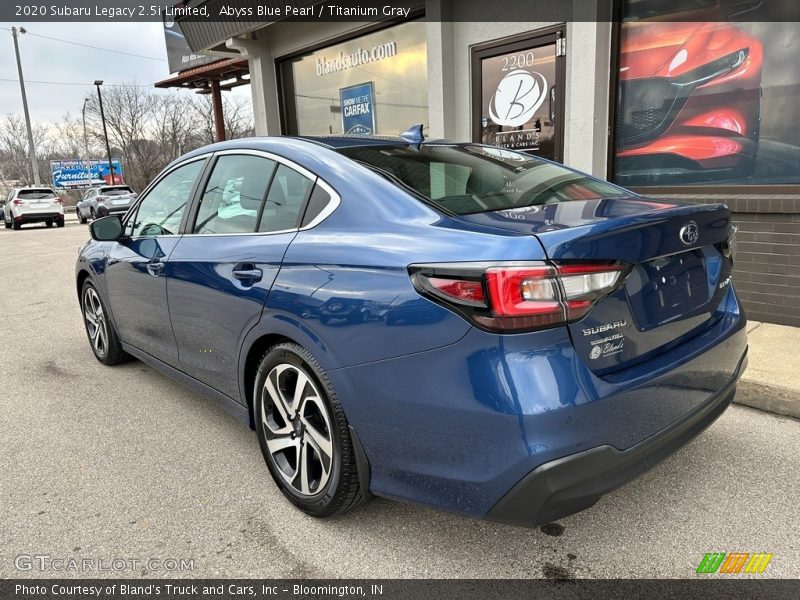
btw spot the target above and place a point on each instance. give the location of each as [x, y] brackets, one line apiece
[237, 116]
[173, 124]
[129, 111]
[14, 149]
[146, 129]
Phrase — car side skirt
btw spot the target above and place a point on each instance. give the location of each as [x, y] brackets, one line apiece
[228, 404]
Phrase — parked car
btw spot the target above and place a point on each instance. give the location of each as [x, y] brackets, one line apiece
[104, 201]
[33, 204]
[558, 334]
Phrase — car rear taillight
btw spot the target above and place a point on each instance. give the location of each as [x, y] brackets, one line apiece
[17, 202]
[59, 201]
[100, 199]
[519, 296]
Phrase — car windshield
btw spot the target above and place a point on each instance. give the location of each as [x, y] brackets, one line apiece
[115, 191]
[465, 179]
[35, 194]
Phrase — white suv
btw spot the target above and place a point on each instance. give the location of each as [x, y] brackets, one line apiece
[33, 205]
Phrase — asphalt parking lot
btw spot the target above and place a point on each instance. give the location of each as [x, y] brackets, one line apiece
[106, 463]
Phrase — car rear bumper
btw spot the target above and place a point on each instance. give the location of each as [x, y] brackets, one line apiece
[112, 210]
[34, 217]
[461, 426]
[573, 483]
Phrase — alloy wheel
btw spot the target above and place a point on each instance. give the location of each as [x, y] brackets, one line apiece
[95, 321]
[297, 429]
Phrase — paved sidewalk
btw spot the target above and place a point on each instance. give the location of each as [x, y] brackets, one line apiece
[772, 379]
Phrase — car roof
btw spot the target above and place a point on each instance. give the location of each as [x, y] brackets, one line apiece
[332, 142]
[356, 141]
[34, 187]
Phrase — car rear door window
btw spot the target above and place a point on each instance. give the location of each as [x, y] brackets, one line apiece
[161, 211]
[287, 193]
[234, 194]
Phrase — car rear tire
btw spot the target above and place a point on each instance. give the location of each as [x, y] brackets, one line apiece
[81, 219]
[7, 224]
[59, 223]
[92, 214]
[303, 433]
[49, 223]
[103, 337]
[17, 226]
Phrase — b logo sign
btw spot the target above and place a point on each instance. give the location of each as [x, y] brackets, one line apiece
[518, 96]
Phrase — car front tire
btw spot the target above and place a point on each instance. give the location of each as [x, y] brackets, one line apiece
[303, 433]
[103, 337]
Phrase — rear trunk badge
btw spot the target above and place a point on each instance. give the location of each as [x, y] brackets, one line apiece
[689, 233]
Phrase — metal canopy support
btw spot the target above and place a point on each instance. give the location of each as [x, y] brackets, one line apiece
[216, 103]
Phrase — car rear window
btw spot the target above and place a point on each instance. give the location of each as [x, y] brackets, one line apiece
[470, 178]
[35, 194]
[116, 191]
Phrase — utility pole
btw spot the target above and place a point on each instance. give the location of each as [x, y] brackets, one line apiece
[85, 137]
[86, 145]
[34, 164]
[98, 83]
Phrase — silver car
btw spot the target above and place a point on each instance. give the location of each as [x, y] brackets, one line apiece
[103, 201]
[33, 204]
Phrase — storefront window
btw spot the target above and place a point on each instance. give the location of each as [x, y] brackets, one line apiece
[374, 84]
[707, 98]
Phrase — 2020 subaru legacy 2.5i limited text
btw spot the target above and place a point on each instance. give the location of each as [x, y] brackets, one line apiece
[457, 325]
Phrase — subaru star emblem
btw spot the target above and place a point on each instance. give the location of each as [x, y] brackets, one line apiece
[689, 233]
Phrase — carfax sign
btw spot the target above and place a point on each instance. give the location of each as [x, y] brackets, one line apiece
[83, 173]
[358, 109]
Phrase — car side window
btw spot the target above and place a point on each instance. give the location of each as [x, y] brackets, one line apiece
[161, 211]
[234, 194]
[287, 193]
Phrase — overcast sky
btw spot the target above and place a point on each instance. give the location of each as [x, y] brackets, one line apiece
[47, 60]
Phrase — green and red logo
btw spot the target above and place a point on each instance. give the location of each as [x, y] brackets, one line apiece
[730, 563]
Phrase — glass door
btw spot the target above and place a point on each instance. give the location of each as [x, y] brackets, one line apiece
[518, 89]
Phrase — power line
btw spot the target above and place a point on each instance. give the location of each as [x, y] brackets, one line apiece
[47, 37]
[76, 83]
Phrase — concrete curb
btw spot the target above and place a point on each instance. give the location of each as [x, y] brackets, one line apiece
[769, 398]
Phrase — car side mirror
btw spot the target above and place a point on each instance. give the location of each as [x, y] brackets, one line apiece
[106, 229]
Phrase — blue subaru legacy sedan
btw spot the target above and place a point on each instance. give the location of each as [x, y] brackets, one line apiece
[456, 325]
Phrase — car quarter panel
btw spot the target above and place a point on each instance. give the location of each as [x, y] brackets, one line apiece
[489, 409]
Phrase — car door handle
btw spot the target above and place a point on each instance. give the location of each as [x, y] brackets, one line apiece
[247, 273]
[155, 268]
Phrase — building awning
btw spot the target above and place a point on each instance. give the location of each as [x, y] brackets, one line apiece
[203, 35]
[229, 72]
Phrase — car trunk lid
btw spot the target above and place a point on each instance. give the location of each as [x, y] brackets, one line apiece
[678, 269]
